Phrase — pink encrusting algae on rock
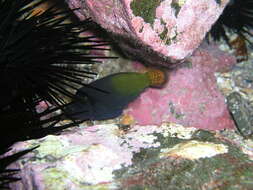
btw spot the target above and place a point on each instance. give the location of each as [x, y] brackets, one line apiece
[81, 157]
[191, 96]
[166, 33]
[156, 32]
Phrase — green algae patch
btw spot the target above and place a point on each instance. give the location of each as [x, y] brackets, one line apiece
[145, 9]
[55, 179]
[50, 149]
[163, 35]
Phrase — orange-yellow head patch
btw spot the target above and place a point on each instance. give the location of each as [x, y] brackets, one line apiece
[156, 77]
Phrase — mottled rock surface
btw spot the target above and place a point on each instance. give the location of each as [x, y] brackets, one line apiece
[191, 96]
[240, 109]
[166, 156]
[237, 86]
[155, 32]
[140, 157]
[163, 33]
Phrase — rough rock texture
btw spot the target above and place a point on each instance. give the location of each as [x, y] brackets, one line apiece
[191, 96]
[143, 157]
[155, 32]
[229, 171]
[241, 111]
[237, 86]
[163, 33]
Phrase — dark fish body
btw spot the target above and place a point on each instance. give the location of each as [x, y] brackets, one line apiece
[107, 97]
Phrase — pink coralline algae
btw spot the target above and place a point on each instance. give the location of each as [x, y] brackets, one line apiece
[191, 97]
[80, 158]
[155, 32]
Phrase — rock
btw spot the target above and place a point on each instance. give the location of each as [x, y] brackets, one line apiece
[191, 96]
[154, 157]
[82, 158]
[237, 86]
[154, 32]
[240, 110]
